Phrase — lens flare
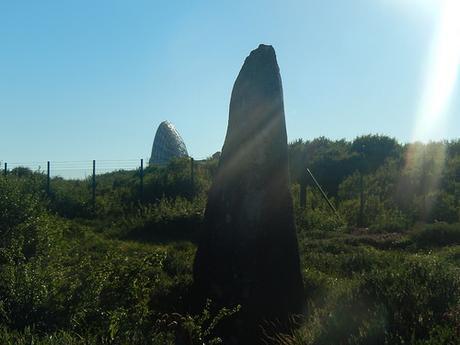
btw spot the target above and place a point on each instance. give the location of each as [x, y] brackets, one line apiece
[425, 162]
[441, 76]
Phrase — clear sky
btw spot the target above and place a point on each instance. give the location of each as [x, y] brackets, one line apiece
[87, 79]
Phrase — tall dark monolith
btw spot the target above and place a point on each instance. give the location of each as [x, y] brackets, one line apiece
[248, 253]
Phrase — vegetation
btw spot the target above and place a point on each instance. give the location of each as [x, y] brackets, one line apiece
[120, 271]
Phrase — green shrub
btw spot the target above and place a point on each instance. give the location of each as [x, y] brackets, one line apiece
[403, 300]
[438, 234]
[25, 228]
[444, 208]
[389, 220]
[28, 241]
[166, 221]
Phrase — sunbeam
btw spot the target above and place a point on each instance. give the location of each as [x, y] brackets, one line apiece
[437, 93]
[442, 73]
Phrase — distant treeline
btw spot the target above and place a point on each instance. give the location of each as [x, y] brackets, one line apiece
[402, 182]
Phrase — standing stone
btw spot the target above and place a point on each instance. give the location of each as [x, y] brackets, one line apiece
[167, 145]
[248, 254]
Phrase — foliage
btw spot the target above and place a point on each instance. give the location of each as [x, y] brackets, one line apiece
[121, 272]
[438, 234]
[197, 329]
[360, 295]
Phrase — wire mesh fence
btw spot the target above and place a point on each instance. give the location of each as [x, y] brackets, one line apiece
[72, 169]
[78, 169]
[90, 172]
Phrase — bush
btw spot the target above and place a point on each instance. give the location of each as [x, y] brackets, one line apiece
[25, 227]
[416, 293]
[166, 221]
[403, 300]
[28, 242]
[444, 208]
[438, 234]
[389, 220]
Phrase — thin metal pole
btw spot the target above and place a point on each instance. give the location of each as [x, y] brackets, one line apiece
[5, 170]
[94, 185]
[141, 175]
[322, 192]
[48, 178]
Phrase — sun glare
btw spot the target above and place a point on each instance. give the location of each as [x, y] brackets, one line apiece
[443, 66]
[441, 75]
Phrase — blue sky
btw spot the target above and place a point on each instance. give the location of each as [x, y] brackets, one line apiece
[82, 80]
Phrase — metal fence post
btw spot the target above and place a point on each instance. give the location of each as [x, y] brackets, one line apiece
[94, 185]
[48, 178]
[141, 176]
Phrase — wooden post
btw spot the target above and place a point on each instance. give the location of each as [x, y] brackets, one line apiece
[48, 178]
[94, 185]
[141, 176]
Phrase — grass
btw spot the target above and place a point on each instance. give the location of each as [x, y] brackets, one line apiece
[126, 279]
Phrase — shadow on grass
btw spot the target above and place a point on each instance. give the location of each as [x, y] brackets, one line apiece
[172, 231]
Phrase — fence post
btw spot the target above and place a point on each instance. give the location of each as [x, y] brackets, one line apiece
[5, 170]
[48, 178]
[94, 185]
[141, 176]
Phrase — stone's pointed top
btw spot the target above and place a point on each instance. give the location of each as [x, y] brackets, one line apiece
[256, 94]
[260, 70]
[265, 48]
[262, 53]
